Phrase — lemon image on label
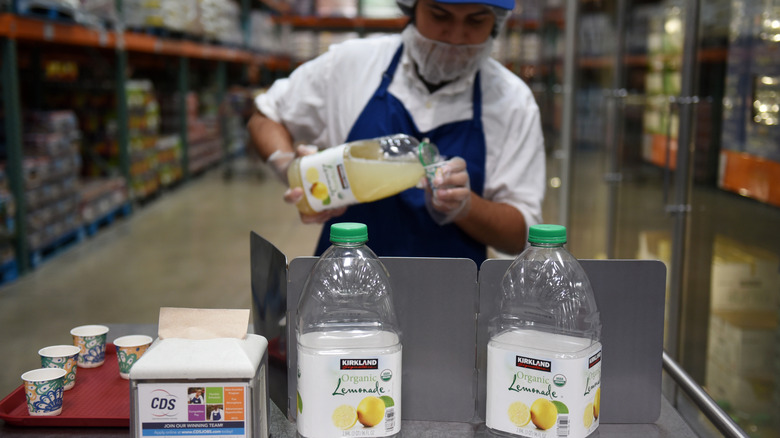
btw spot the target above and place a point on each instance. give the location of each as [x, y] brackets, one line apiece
[312, 175]
[388, 401]
[344, 417]
[519, 414]
[371, 411]
[544, 414]
[562, 408]
[319, 190]
[597, 403]
[587, 417]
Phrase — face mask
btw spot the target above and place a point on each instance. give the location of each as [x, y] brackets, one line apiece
[439, 62]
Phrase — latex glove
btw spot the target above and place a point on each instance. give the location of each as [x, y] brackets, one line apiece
[279, 162]
[448, 195]
[294, 196]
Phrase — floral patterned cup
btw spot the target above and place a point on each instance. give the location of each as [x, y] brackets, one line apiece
[43, 388]
[91, 339]
[61, 356]
[128, 350]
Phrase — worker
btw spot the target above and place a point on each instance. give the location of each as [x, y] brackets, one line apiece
[436, 80]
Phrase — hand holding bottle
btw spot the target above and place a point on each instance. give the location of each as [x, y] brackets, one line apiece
[357, 172]
[294, 195]
[448, 192]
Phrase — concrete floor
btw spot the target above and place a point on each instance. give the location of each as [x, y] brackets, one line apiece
[188, 248]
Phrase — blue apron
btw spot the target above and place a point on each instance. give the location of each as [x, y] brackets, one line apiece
[400, 226]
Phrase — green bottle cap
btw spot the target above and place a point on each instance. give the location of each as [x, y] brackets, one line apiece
[547, 233]
[348, 232]
[427, 152]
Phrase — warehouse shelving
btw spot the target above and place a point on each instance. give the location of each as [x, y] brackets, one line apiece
[343, 23]
[20, 28]
[23, 37]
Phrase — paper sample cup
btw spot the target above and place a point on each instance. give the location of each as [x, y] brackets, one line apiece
[128, 350]
[91, 339]
[61, 356]
[43, 388]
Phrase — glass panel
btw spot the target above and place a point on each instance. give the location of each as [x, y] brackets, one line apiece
[731, 289]
[630, 101]
[647, 208]
[594, 129]
[532, 47]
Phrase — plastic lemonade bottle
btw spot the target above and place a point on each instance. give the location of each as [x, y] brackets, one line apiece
[544, 353]
[349, 343]
[360, 171]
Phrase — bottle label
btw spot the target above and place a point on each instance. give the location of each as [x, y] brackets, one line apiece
[355, 395]
[543, 397]
[325, 180]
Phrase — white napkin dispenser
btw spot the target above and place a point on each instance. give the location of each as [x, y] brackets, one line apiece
[186, 387]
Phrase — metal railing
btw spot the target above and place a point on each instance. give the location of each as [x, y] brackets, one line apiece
[711, 410]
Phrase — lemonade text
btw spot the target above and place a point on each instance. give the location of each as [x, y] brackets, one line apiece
[344, 391]
[593, 382]
[517, 386]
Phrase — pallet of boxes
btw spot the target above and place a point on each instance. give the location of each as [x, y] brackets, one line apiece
[51, 167]
[741, 370]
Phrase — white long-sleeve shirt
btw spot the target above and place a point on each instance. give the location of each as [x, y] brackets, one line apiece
[321, 100]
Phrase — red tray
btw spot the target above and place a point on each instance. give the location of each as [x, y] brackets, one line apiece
[100, 399]
[276, 351]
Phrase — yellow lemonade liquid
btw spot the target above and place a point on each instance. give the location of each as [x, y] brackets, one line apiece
[370, 176]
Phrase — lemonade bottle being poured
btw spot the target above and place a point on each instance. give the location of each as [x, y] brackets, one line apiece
[359, 171]
[544, 353]
[349, 343]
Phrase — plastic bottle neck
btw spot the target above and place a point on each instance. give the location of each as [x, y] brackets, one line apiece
[546, 245]
[348, 244]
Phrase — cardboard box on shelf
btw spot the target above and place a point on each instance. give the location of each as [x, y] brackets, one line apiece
[750, 176]
[743, 277]
[742, 394]
[380, 9]
[336, 8]
[743, 343]
[654, 82]
[51, 122]
[672, 83]
[762, 129]
[655, 245]
[661, 150]
[51, 144]
[101, 196]
[50, 192]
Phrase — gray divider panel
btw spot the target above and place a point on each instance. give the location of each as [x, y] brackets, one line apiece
[269, 282]
[630, 296]
[436, 304]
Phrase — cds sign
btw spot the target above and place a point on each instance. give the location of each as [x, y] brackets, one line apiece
[162, 404]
